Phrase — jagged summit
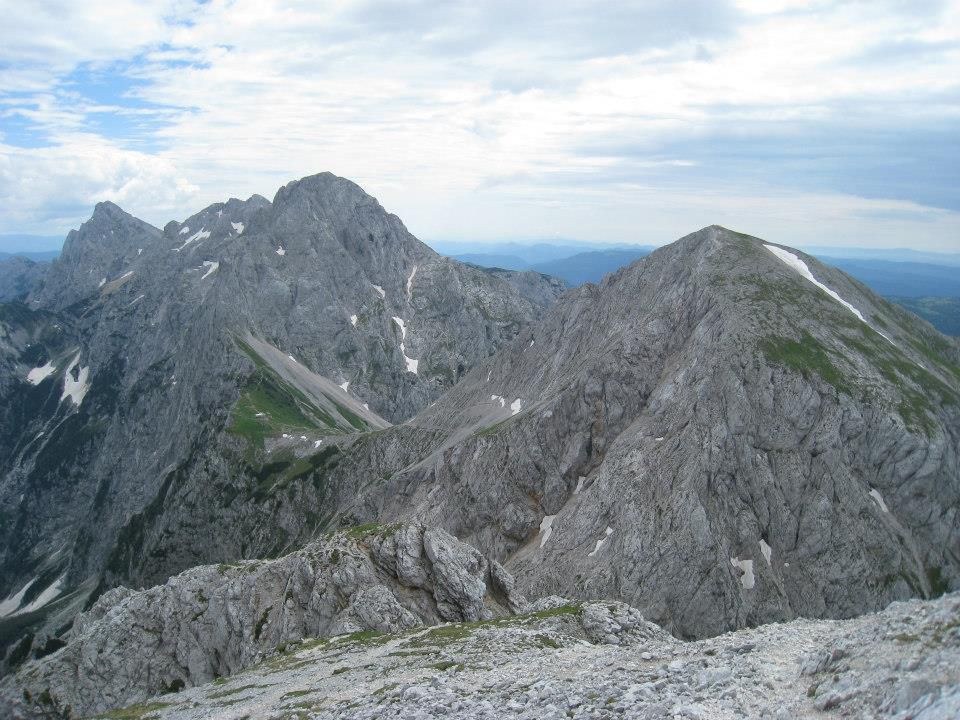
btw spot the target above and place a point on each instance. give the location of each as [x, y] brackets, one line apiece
[95, 254]
[109, 209]
[327, 213]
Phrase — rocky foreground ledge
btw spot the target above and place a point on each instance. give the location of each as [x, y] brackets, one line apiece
[213, 621]
[602, 660]
[420, 625]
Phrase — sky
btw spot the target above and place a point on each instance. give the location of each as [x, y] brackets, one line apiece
[806, 122]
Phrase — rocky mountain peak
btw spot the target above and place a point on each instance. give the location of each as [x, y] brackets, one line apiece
[726, 405]
[109, 224]
[325, 210]
[109, 210]
[723, 434]
[99, 252]
[218, 221]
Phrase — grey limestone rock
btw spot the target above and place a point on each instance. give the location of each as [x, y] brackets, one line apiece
[461, 571]
[710, 436]
[553, 664]
[212, 367]
[19, 277]
[213, 621]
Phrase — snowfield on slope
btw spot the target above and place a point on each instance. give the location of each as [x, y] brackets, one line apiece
[39, 374]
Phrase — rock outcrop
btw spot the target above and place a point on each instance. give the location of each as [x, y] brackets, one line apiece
[213, 621]
[554, 664]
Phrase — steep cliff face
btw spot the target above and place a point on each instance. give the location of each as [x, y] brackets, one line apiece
[217, 357]
[725, 433]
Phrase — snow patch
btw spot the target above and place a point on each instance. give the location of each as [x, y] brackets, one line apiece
[345, 385]
[10, 604]
[103, 281]
[39, 374]
[220, 213]
[184, 230]
[580, 481]
[201, 234]
[280, 251]
[238, 227]
[353, 320]
[137, 299]
[292, 358]
[366, 407]
[489, 373]
[494, 398]
[875, 494]
[546, 529]
[747, 580]
[765, 550]
[412, 364]
[380, 290]
[75, 389]
[801, 267]
[515, 406]
[260, 414]
[531, 343]
[139, 250]
[317, 443]
[45, 597]
[606, 533]
[410, 283]
[212, 267]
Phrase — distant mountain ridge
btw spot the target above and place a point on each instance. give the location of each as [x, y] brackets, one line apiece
[39, 256]
[884, 254]
[906, 279]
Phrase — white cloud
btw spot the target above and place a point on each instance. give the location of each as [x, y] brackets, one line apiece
[487, 112]
[41, 189]
[42, 39]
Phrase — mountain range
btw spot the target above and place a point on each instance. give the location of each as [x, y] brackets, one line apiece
[294, 415]
[925, 283]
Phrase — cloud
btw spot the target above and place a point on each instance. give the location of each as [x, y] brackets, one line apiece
[510, 111]
[44, 39]
[41, 189]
